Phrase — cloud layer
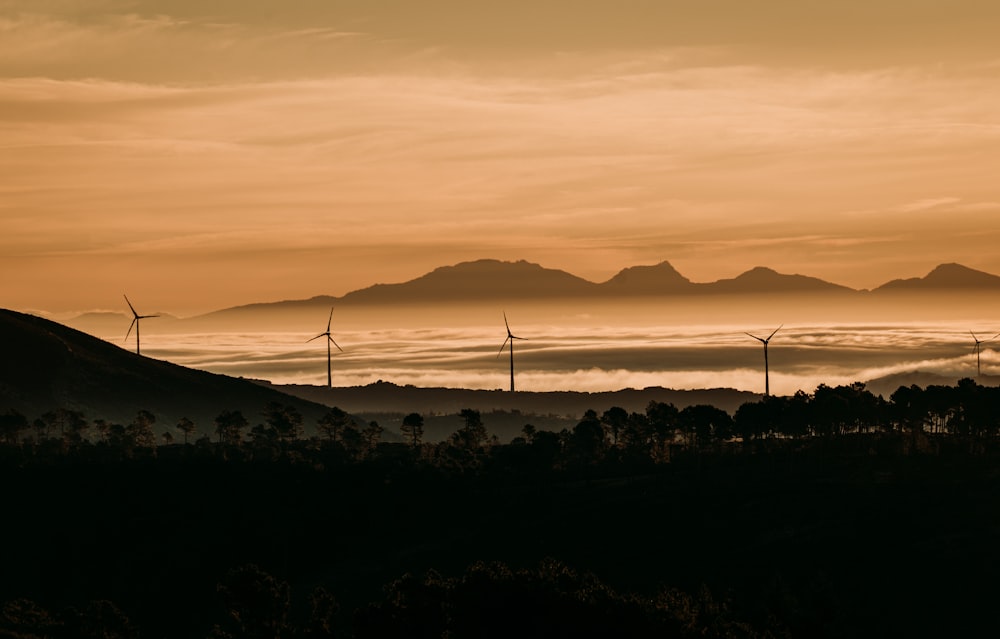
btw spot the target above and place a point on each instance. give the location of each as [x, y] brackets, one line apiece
[585, 359]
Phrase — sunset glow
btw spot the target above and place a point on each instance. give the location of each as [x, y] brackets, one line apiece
[213, 155]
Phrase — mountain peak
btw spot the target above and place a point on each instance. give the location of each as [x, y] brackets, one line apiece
[762, 279]
[953, 273]
[943, 277]
[761, 271]
[479, 279]
[648, 280]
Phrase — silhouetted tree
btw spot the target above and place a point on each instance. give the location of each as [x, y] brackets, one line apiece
[72, 426]
[528, 431]
[372, 434]
[615, 419]
[333, 422]
[703, 422]
[186, 426]
[140, 430]
[413, 428]
[493, 601]
[285, 420]
[229, 425]
[473, 433]
[909, 408]
[546, 448]
[352, 440]
[323, 611]
[257, 602]
[103, 429]
[751, 421]
[662, 421]
[413, 608]
[794, 414]
[587, 444]
[99, 620]
[24, 618]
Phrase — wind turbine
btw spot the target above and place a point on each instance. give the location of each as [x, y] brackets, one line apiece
[510, 338]
[329, 340]
[767, 381]
[135, 322]
[978, 348]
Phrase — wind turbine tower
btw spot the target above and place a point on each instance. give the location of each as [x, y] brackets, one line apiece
[135, 322]
[977, 349]
[767, 381]
[329, 340]
[510, 338]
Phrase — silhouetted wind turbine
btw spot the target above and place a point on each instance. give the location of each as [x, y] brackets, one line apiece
[135, 322]
[978, 348]
[510, 338]
[767, 381]
[329, 340]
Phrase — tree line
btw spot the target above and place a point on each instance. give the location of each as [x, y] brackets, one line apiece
[253, 528]
[655, 435]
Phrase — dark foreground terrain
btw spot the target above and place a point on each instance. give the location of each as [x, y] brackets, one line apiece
[860, 537]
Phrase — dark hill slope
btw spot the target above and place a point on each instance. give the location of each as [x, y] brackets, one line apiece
[46, 365]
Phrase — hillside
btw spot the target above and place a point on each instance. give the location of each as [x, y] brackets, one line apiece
[48, 365]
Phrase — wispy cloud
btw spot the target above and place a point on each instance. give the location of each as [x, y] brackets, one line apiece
[927, 204]
[138, 127]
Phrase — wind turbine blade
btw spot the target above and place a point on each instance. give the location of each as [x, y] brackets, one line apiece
[974, 336]
[759, 339]
[130, 305]
[317, 337]
[505, 322]
[145, 316]
[136, 319]
[335, 344]
[329, 320]
[992, 338]
[503, 346]
[772, 334]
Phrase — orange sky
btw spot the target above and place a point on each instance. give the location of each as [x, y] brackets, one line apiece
[200, 155]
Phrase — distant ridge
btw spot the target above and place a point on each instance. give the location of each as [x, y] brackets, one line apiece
[482, 279]
[659, 279]
[944, 278]
[765, 280]
[502, 282]
[47, 366]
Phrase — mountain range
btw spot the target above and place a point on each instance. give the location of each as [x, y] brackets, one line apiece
[501, 282]
[495, 279]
